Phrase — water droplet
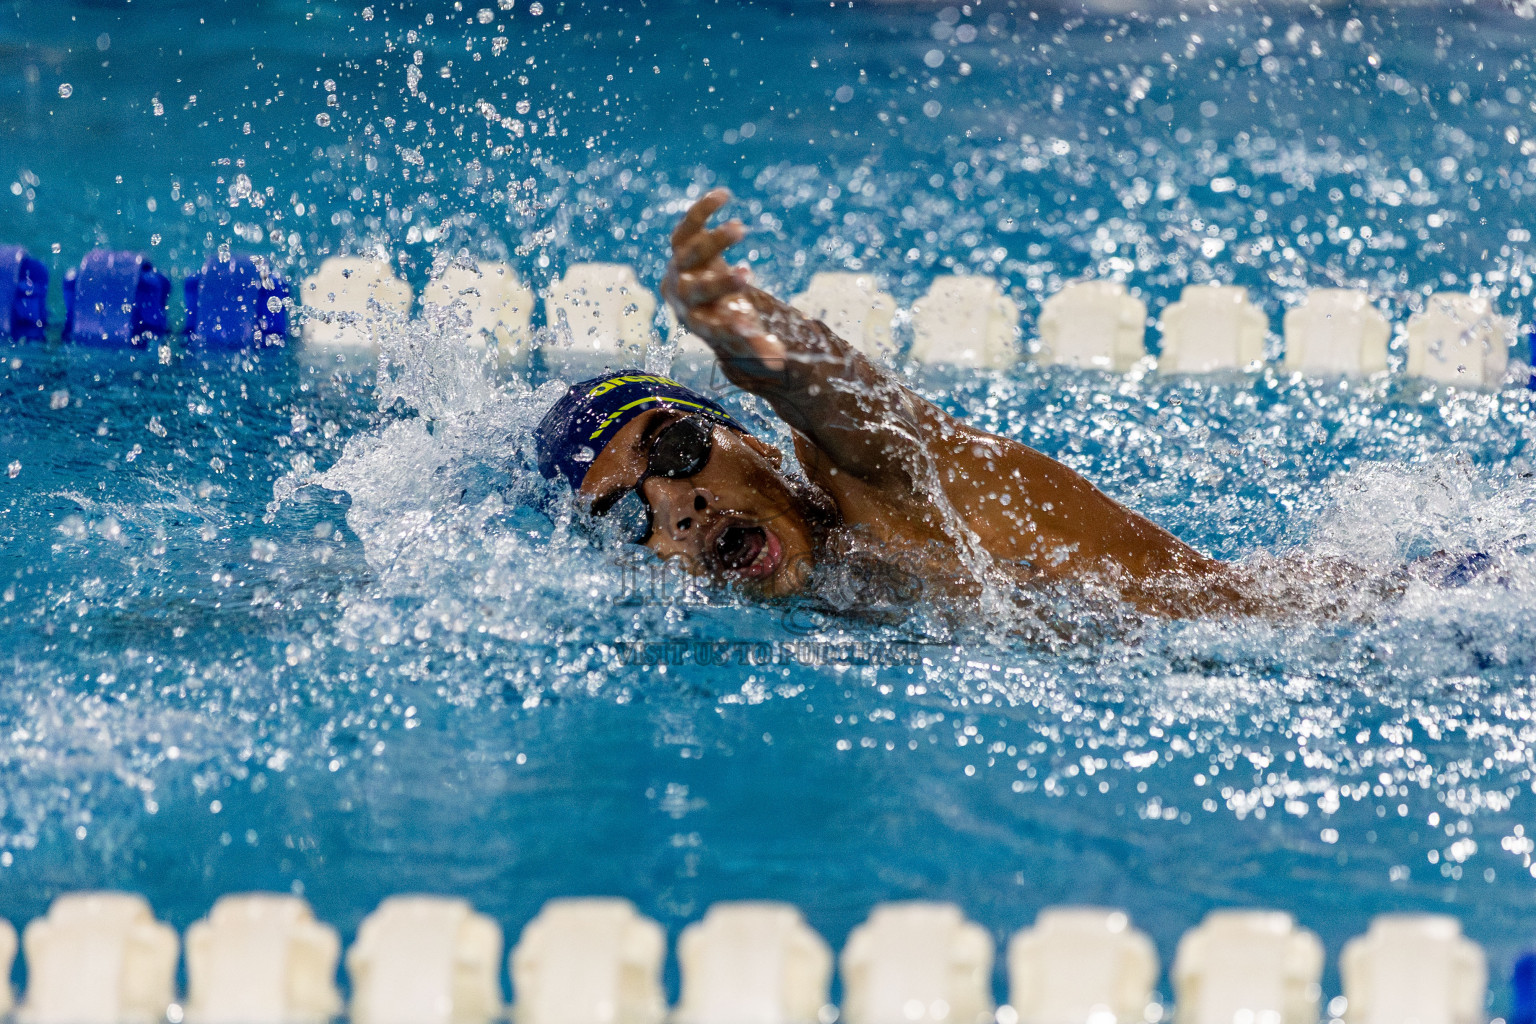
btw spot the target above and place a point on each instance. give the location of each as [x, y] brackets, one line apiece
[66, 91]
[323, 119]
[535, 9]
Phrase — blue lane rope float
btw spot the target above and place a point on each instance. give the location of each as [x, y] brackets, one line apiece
[1523, 982]
[23, 294]
[114, 298]
[236, 302]
[1530, 343]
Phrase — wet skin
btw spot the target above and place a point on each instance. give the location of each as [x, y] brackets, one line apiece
[888, 470]
[739, 517]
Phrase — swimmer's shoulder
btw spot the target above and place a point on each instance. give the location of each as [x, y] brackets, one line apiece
[882, 514]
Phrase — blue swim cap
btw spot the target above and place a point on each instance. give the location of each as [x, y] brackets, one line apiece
[587, 416]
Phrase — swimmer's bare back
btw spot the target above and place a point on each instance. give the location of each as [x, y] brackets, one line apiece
[891, 460]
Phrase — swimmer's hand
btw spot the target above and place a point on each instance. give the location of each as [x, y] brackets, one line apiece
[856, 415]
[715, 300]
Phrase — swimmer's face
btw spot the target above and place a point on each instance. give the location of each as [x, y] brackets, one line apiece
[737, 518]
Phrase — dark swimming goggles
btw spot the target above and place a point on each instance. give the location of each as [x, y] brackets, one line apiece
[680, 449]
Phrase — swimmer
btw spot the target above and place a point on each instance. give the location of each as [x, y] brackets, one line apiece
[888, 475]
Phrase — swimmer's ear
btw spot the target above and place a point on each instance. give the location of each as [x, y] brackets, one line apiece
[765, 449]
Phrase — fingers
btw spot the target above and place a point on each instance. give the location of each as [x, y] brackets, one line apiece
[712, 298]
[703, 246]
[699, 213]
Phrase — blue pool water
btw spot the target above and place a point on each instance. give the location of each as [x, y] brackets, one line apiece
[265, 625]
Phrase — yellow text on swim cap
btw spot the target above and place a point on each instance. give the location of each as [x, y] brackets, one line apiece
[634, 378]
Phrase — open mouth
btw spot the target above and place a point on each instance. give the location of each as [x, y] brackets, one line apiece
[746, 550]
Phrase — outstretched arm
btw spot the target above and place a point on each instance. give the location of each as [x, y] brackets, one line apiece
[864, 421]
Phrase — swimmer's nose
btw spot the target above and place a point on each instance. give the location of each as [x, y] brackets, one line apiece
[687, 508]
